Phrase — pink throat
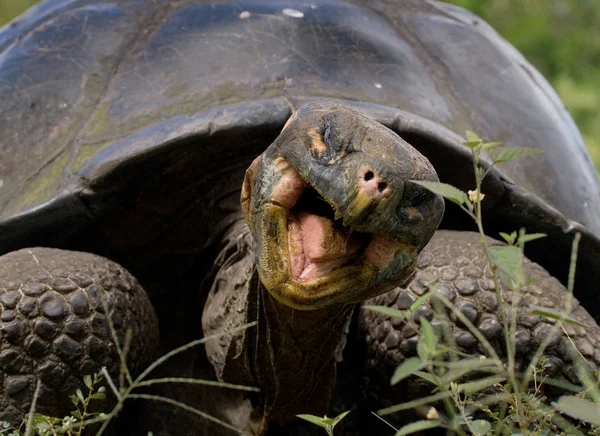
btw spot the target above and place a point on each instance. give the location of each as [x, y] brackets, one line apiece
[317, 247]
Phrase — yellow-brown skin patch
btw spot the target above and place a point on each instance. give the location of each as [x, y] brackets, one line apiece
[362, 201]
[247, 186]
[367, 193]
[316, 144]
[413, 213]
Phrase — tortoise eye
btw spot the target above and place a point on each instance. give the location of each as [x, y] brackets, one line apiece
[325, 144]
[329, 138]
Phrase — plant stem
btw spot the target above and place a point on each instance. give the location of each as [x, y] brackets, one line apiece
[508, 331]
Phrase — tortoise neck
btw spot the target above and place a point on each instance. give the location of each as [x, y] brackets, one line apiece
[290, 355]
[296, 355]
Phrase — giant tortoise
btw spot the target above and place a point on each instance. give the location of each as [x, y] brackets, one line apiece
[127, 129]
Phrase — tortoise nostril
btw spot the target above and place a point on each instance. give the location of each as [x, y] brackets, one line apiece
[381, 186]
[369, 175]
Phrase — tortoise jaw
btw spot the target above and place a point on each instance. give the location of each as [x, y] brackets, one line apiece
[308, 261]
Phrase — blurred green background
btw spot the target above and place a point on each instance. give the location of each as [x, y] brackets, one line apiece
[9, 9]
[560, 37]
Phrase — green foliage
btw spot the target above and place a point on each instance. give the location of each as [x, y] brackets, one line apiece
[579, 408]
[449, 192]
[417, 426]
[395, 313]
[501, 155]
[509, 261]
[408, 367]
[561, 39]
[9, 9]
[555, 315]
[127, 385]
[72, 425]
[481, 427]
[324, 422]
[485, 395]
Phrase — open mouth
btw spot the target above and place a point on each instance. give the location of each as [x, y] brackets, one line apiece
[318, 241]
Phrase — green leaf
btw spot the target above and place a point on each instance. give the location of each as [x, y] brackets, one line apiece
[88, 381]
[481, 427]
[317, 420]
[423, 351]
[338, 418]
[43, 426]
[434, 380]
[408, 367]
[458, 373]
[393, 313]
[98, 396]
[415, 403]
[417, 426]
[429, 335]
[501, 155]
[472, 136]
[554, 314]
[488, 145]
[470, 388]
[421, 300]
[76, 414]
[38, 417]
[510, 239]
[80, 395]
[473, 139]
[509, 260]
[531, 237]
[427, 343]
[473, 364]
[74, 399]
[455, 375]
[449, 192]
[578, 408]
[324, 422]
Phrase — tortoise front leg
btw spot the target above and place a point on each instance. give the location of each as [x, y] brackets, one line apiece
[55, 329]
[454, 263]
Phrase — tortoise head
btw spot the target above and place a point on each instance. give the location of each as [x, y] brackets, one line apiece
[334, 216]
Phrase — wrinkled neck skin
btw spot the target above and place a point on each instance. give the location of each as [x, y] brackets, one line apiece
[289, 355]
